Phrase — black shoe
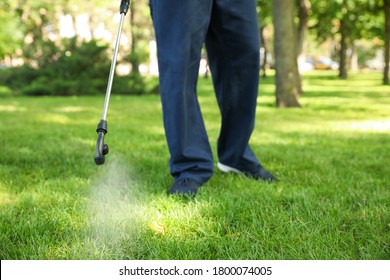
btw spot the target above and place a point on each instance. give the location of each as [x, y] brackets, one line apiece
[185, 186]
[259, 174]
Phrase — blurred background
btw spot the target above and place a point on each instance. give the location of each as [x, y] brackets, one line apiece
[64, 47]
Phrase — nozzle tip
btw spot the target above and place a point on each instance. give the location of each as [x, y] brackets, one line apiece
[99, 160]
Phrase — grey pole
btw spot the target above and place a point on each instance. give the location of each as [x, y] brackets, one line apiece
[112, 70]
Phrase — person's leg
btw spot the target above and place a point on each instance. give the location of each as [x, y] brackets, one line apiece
[233, 50]
[180, 27]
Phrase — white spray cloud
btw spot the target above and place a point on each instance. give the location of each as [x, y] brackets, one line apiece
[114, 212]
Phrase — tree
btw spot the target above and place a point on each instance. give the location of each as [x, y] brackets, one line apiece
[304, 7]
[345, 21]
[10, 34]
[141, 25]
[333, 21]
[380, 10]
[285, 53]
[302, 29]
[38, 19]
[264, 11]
[386, 10]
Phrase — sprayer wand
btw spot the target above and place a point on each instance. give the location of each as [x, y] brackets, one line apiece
[101, 148]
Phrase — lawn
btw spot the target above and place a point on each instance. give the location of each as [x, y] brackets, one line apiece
[332, 158]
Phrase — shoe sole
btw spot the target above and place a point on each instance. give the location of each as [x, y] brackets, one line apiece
[228, 169]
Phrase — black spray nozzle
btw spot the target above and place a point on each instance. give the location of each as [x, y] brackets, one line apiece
[125, 4]
[101, 148]
[102, 127]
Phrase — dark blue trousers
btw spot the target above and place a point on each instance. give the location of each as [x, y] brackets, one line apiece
[229, 29]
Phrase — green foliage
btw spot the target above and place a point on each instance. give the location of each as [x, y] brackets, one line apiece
[10, 32]
[66, 67]
[264, 11]
[366, 51]
[5, 91]
[359, 17]
[75, 69]
[135, 84]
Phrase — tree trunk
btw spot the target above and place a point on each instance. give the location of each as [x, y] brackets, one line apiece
[343, 74]
[386, 8]
[285, 54]
[354, 59]
[265, 53]
[304, 8]
[298, 78]
[134, 59]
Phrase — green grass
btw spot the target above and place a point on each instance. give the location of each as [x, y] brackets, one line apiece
[331, 156]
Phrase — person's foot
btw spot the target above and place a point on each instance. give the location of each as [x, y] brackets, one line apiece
[260, 173]
[186, 186]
